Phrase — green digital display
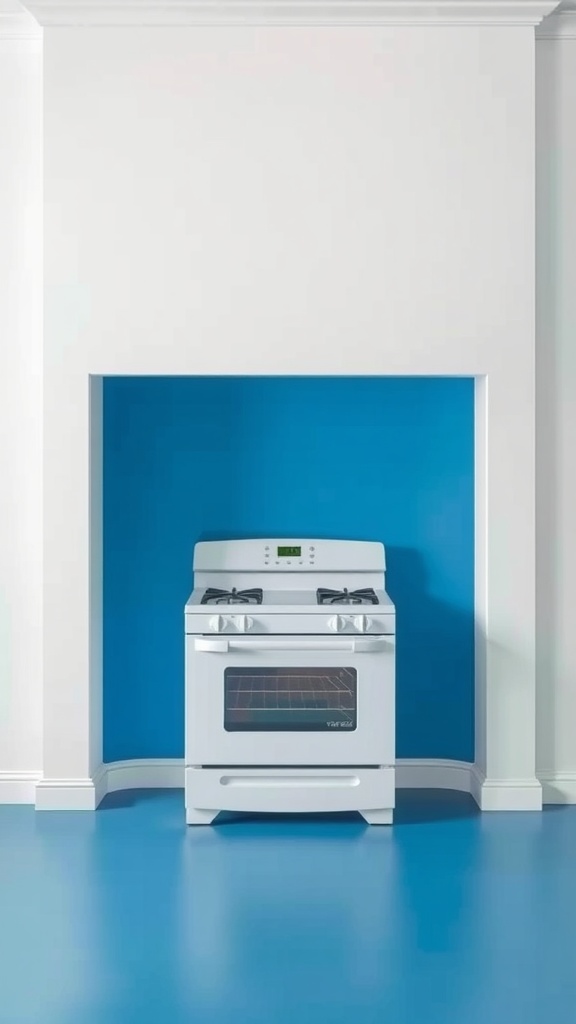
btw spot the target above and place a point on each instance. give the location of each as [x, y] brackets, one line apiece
[289, 552]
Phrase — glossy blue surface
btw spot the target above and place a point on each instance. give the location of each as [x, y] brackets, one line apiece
[128, 917]
[189, 458]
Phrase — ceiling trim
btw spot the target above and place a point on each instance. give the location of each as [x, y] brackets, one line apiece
[101, 13]
[561, 24]
[16, 23]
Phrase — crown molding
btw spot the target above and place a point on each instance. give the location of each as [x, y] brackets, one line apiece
[16, 23]
[561, 24]
[101, 13]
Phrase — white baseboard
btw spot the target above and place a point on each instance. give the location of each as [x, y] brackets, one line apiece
[66, 795]
[168, 773]
[505, 794]
[18, 787]
[489, 794]
[411, 773]
[145, 773]
[419, 773]
[558, 787]
[87, 794]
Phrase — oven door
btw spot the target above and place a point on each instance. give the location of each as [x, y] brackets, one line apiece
[295, 700]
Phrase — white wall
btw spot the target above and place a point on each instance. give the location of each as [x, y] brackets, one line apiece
[249, 189]
[311, 200]
[210, 211]
[20, 407]
[556, 376]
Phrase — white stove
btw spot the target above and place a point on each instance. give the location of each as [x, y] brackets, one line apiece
[290, 679]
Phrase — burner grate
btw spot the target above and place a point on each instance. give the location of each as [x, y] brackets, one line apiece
[367, 595]
[215, 596]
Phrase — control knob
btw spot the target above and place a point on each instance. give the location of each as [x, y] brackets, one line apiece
[361, 623]
[337, 623]
[217, 624]
[243, 623]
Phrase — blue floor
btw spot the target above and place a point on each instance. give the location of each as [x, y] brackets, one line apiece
[128, 917]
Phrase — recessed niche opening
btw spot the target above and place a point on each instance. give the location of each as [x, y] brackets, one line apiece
[367, 458]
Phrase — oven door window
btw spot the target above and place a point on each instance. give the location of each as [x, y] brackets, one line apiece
[290, 699]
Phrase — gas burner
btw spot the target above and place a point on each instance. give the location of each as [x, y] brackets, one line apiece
[365, 596]
[215, 596]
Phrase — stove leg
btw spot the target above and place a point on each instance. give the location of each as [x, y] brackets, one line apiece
[194, 816]
[378, 817]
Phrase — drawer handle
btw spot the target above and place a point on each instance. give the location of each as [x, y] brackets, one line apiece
[290, 781]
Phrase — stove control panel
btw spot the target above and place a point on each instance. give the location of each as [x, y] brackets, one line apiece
[349, 623]
[289, 554]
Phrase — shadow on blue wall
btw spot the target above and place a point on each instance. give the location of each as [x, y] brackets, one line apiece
[381, 458]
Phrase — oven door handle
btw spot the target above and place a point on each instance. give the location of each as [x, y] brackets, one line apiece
[363, 645]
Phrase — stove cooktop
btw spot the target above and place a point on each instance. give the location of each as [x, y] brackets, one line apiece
[313, 600]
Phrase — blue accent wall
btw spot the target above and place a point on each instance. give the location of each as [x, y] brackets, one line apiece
[367, 458]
